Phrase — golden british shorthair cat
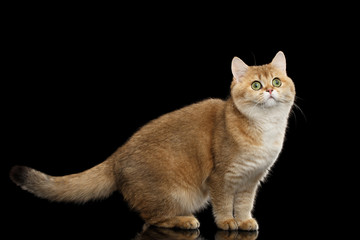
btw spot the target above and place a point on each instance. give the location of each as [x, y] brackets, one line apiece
[215, 151]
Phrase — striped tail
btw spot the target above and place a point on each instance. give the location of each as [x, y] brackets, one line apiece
[95, 183]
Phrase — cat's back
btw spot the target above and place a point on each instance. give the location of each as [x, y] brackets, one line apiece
[197, 114]
[195, 120]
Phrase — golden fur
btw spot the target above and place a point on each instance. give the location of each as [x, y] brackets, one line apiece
[213, 151]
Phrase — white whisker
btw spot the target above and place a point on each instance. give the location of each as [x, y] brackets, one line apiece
[300, 110]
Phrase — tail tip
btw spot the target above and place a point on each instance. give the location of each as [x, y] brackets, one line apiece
[18, 174]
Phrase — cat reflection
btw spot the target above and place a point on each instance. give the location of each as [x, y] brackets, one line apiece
[152, 233]
[235, 235]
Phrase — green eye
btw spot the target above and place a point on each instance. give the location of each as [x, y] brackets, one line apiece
[276, 82]
[256, 85]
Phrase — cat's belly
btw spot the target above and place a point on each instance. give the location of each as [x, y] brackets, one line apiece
[191, 200]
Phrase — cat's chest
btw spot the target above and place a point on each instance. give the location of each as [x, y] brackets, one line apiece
[253, 160]
[272, 136]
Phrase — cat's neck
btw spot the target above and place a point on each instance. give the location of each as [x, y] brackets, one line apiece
[260, 118]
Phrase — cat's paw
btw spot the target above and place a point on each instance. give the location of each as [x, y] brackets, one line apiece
[183, 222]
[189, 223]
[248, 224]
[229, 224]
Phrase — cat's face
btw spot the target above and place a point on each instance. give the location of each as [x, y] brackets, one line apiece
[262, 88]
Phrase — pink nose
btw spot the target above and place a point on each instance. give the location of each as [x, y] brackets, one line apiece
[269, 90]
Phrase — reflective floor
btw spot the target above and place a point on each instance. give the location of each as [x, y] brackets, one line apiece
[161, 233]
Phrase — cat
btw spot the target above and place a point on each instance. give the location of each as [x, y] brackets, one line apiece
[214, 151]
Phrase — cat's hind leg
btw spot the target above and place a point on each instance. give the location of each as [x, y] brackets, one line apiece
[169, 214]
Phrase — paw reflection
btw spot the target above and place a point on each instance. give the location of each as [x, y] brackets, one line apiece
[166, 233]
[152, 233]
[236, 235]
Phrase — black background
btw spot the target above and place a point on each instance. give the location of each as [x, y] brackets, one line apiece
[80, 80]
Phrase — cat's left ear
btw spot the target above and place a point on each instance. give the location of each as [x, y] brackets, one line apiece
[238, 68]
[279, 61]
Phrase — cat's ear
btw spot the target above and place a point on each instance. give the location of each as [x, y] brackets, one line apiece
[279, 61]
[238, 68]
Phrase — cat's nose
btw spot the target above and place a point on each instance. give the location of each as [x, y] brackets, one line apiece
[269, 90]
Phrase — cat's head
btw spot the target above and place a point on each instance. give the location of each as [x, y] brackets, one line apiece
[257, 89]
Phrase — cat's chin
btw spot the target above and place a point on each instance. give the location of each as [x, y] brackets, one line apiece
[271, 102]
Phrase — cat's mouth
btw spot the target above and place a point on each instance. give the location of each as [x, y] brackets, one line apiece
[269, 101]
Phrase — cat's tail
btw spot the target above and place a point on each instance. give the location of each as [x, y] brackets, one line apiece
[94, 183]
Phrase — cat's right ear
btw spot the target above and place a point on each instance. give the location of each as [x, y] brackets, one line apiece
[238, 68]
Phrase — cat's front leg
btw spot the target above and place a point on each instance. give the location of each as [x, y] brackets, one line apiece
[243, 204]
[222, 201]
